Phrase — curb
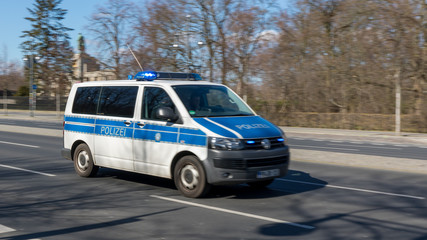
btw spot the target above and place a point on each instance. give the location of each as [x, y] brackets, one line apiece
[357, 135]
[361, 161]
[31, 130]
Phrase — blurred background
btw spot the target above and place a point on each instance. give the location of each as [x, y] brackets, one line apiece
[345, 64]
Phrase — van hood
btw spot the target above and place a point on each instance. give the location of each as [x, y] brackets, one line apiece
[240, 127]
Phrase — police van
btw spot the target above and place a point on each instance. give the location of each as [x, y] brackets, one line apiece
[172, 125]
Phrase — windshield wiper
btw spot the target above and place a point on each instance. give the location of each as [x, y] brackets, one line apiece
[241, 114]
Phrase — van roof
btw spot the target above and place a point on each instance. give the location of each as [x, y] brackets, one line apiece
[147, 83]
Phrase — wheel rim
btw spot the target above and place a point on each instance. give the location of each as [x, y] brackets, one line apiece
[189, 177]
[83, 160]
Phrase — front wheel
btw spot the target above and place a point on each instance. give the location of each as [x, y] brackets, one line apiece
[190, 177]
[83, 162]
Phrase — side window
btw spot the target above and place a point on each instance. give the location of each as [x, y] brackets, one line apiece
[118, 101]
[86, 100]
[153, 99]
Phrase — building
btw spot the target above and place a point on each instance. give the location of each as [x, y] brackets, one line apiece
[87, 68]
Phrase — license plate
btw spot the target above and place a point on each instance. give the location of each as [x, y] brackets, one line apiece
[268, 173]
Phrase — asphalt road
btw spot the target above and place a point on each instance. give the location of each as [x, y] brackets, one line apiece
[42, 198]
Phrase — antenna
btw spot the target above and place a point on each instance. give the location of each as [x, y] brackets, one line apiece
[135, 57]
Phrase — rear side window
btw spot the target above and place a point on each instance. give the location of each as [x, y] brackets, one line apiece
[86, 100]
[118, 101]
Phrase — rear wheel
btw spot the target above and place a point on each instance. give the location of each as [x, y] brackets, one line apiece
[190, 177]
[83, 162]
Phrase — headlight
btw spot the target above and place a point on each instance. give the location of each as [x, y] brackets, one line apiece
[285, 139]
[225, 143]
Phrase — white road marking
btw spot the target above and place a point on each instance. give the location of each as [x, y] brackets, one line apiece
[4, 229]
[378, 144]
[401, 145]
[352, 189]
[27, 170]
[19, 144]
[298, 138]
[365, 146]
[348, 149]
[234, 212]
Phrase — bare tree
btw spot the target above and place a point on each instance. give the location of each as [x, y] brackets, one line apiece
[110, 25]
[248, 27]
[11, 77]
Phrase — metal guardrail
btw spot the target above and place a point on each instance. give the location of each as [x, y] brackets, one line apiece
[42, 103]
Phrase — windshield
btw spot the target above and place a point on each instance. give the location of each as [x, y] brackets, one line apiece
[211, 101]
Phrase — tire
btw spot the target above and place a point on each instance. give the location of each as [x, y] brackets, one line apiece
[190, 177]
[260, 184]
[83, 162]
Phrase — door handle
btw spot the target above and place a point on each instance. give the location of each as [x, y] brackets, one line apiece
[140, 124]
[128, 123]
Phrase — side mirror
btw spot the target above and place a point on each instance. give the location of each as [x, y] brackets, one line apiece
[166, 113]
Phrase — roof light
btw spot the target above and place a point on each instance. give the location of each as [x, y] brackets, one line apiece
[146, 75]
[196, 76]
[153, 75]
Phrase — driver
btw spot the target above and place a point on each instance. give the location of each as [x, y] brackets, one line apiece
[195, 101]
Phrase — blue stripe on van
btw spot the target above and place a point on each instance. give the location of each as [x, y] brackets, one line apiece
[79, 128]
[160, 128]
[111, 131]
[79, 119]
[191, 131]
[114, 128]
[118, 123]
[215, 128]
[246, 126]
[151, 136]
[192, 140]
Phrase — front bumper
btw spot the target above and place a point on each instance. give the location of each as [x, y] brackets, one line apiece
[234, 167]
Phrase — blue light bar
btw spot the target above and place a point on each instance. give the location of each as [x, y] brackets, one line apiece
[197, 77]
[250, 142]
[280, 140]
[146, 76]
[153, 75]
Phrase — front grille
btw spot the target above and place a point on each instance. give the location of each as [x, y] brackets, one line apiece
[275, 143]
[249, 163]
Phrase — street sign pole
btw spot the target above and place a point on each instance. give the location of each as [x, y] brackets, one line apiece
[34, 88]
[31, 97]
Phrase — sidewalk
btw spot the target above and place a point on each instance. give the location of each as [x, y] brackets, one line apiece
[322, 157]
[38, 115]
[359, 160]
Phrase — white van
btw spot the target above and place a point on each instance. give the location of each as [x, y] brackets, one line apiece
[172, 125]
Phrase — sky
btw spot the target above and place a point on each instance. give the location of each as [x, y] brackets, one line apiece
[12, 22]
